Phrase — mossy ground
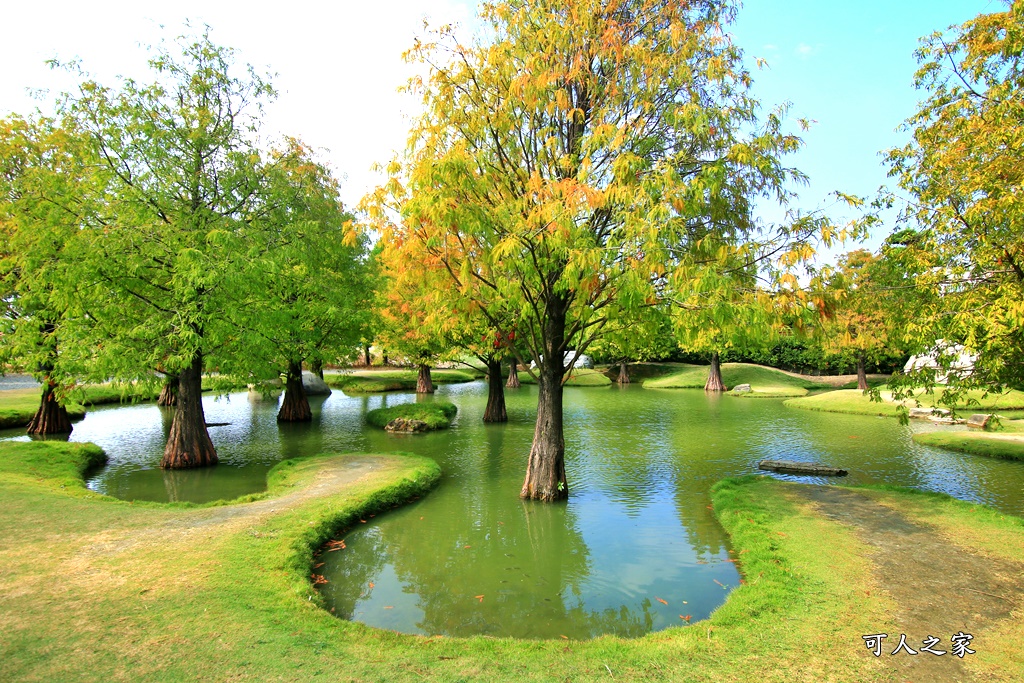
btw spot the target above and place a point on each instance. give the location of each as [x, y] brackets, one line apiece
[436, 414]
[765, 382]
[94, 589]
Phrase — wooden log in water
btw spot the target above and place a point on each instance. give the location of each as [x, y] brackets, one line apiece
[795, 467]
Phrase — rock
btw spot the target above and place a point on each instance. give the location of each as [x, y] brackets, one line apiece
[795, 467]
[313, 385]
[404, 425]
[979, 420]
[742, 389]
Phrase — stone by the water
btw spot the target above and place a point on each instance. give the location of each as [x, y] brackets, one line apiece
[795, 467]
[313, 385]
[742, 389]
[979, 420]
[405, 425]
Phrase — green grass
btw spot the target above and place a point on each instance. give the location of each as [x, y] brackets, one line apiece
[975, 443]
[764, 382]
[372, 381]
[437, 414]
[96, 589]
[579, 377]
[856, 402]
[852, 401]
[17, 406]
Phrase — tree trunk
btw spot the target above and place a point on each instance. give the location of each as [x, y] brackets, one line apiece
[715, 382]
[623, 374]
[366, 356]
[317, 368]
[169, 394]
[295, 405]
[52, 417]
[384, 359]
[495, 411]
[423, 383]
[513, 376]
[189, 444]
[545, 470]
[862, 376]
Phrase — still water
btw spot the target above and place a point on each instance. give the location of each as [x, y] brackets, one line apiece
[635, 549]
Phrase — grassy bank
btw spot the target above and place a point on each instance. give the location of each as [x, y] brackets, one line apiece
[856, 402]
[96, 590]
[579, 377]
[372, 381]
[17, 406]
[436, 414]
[1006, 447]
[764, 382]
[852, 401]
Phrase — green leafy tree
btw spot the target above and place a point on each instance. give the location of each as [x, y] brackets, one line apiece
[961, 178]
[182, 185]
[309, 289]
[856, 325]
[563, 166]
[43, 172]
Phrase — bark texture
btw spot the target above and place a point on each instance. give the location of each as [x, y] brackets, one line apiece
[513, 376]
[169, 394]
[495, 410]
[294, 405]
[623, 374]
[545, 470]
[862, 375]
[366, 356]
[52, 417]
[424, 385]
[715, 382]
[189, 444]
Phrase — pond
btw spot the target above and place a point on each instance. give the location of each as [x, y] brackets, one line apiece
[636, 549]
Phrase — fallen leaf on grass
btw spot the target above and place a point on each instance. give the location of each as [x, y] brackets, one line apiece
[565, 637]
[479, 597]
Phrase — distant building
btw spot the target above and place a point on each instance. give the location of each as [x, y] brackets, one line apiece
[961, 363]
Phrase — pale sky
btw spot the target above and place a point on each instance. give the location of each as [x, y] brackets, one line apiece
[846, 65]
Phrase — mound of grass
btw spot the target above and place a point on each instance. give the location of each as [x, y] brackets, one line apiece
[579, 377]
[765, 382]
[852, 401]
[437, 414]
[373, 381]
[976, 443]
[55, 464]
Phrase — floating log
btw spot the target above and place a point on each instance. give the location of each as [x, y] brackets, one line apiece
[794, 467]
